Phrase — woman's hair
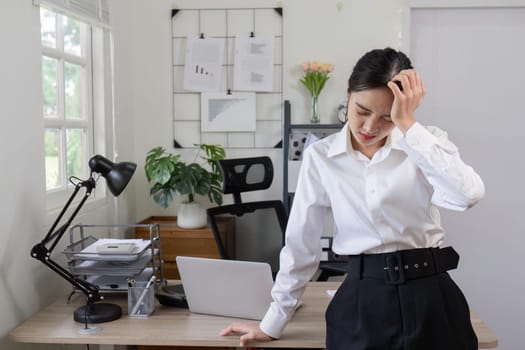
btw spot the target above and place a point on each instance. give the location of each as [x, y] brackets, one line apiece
[376, 68]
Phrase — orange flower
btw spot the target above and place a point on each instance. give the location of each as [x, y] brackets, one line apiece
[306, 66]
[315, 76]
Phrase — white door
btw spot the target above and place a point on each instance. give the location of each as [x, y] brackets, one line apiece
[473, 64]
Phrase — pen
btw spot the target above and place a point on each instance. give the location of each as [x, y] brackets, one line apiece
[139, 301]
[151, 280]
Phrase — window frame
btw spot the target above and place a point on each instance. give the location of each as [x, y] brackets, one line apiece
[94, 59]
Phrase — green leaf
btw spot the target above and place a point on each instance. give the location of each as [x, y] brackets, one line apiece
[164, 198]
[314, 82]
[215, 195]
[168, 175]
[160, 165]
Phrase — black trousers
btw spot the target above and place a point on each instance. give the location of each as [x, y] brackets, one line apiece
[420, 311]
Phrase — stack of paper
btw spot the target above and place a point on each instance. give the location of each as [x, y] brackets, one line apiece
[110, 249]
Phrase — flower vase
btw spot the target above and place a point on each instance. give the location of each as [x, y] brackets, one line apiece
[314, 119]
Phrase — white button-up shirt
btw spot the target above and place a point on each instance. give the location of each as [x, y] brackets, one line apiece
[379, 205]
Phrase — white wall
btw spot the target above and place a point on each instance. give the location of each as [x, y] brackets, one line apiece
[124, 121]
[22, 187]
[26, 285]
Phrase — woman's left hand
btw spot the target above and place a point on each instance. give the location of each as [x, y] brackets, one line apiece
[407, 100]
[250, 332]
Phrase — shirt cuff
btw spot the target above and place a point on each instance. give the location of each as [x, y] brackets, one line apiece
[273, 323]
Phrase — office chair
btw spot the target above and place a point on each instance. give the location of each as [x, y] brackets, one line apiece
[253, 174]
[245, 175]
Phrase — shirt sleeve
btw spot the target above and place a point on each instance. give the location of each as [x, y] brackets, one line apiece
[456, 185]
[301, 254]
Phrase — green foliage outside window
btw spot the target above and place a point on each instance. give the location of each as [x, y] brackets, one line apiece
[63, 92]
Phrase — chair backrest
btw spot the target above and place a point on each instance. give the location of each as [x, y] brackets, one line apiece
[245, 175]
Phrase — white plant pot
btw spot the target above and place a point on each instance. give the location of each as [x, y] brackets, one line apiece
[191, 215]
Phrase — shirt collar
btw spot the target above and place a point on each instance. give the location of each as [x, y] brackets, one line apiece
[338, 144]
[341, 143]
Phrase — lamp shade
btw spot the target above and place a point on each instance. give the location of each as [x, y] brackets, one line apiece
[117, 175]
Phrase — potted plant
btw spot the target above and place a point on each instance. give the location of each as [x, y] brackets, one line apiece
[170, 176]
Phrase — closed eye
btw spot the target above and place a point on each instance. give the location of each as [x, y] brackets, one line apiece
[362, 110]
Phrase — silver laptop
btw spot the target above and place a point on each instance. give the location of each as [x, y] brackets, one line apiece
[226, 287]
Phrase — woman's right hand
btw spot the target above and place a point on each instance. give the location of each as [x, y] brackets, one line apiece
[407, 98]
[250, 331]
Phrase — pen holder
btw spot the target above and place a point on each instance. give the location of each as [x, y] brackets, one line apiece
[141, 299]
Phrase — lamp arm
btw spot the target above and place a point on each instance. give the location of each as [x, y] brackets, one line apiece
[90, 290]
[42, 253]
[89, 184]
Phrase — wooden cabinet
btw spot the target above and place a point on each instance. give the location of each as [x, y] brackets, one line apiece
[177, 241]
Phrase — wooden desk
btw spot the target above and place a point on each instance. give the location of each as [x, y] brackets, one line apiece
[179, 327]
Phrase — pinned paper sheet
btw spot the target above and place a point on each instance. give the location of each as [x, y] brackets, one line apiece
[203, 68]
[253, 69]
[222, 112]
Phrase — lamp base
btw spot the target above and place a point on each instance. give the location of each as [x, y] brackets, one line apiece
[97, 313]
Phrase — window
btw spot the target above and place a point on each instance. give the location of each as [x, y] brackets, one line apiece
[65, 86]
[71, 86]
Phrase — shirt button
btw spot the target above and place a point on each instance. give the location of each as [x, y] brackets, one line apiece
[372, 191]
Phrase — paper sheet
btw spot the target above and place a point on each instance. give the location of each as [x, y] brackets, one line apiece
[112, 268]
[203, 66]
[91, 252]
[221, 112]
[253, 68]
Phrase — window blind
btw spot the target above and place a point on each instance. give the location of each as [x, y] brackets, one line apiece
[95, 12]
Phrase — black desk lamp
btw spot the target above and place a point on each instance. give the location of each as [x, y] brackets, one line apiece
[117, 177]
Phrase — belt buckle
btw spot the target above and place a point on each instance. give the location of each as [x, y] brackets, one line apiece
[393, 270]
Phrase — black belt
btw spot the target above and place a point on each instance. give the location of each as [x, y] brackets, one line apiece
[402, 265]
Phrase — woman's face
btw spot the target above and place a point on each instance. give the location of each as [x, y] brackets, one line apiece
[369, 119]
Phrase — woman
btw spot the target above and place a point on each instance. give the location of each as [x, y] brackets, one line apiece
[383, 175]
